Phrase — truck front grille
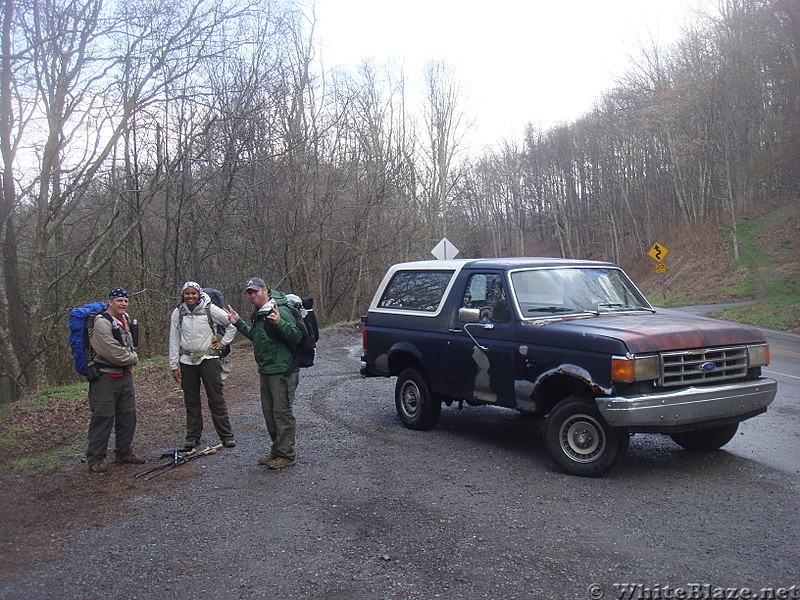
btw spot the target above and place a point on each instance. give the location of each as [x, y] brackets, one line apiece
[697, 367]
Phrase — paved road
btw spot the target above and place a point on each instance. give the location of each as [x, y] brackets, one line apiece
[472, 510]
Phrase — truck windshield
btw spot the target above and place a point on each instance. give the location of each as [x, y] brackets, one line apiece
[576, 290]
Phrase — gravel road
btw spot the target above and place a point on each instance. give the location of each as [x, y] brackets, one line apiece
[473, 509]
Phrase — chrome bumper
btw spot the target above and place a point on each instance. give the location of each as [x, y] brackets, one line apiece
[690, 405]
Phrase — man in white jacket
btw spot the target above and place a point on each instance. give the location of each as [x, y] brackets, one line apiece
[194, 356]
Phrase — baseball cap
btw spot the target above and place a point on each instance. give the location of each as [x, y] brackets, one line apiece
[254, 283]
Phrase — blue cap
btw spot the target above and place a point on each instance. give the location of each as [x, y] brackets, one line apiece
[118, 293]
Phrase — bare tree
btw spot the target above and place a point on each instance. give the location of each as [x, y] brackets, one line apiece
[92, 74]
[445, 126]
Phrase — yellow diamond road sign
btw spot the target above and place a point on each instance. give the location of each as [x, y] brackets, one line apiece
[658, 252]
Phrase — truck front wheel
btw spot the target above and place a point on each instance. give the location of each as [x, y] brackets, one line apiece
[415, 405]
[706, 440]
[580, 441]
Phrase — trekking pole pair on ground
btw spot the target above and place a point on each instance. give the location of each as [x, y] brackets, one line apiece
[178, 458]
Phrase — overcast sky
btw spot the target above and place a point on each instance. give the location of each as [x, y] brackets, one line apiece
[519, 61]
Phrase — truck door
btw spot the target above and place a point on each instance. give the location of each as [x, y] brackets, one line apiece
[483, 372]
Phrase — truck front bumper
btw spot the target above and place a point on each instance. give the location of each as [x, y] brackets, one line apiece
[681, 408]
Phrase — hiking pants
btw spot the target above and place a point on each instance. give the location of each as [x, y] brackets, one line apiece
[113, 405]
[277, 398]
[209, 371]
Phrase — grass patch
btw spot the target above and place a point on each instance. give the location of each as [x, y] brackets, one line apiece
[47, 461]
[54, 397]
[13, 436]
[764, 251]
[37, 433]
[667, 298]
[781, 314]
[743, 290]
[48, 399]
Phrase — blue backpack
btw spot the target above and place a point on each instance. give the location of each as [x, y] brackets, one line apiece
[81, 323]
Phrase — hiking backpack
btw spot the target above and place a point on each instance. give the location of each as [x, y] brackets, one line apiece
[218, 299]
[302, 309]
[81, 324]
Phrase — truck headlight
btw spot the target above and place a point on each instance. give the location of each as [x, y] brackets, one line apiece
[758, 356]
[635, 368]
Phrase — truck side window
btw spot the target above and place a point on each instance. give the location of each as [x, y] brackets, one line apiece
[485, 292]
[416, 290]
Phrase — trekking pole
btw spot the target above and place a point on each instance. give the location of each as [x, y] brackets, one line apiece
[184, 459]
[176, 455]
[178, 459]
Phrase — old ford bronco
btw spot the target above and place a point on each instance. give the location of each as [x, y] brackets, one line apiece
[572, 341]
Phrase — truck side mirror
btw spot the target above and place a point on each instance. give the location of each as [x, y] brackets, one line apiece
[469, 315]
[472, 316]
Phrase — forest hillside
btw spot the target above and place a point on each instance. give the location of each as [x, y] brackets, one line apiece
[702, 268]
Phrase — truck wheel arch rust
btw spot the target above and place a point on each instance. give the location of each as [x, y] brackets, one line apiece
[533, 396]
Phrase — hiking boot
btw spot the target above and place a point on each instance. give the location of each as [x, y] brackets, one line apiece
[229, 443]
[280, 462]
[98, 466]
[265, 460]
[189, 445]
[130, 459]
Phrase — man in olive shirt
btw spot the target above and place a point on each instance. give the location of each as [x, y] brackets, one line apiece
[111, 395]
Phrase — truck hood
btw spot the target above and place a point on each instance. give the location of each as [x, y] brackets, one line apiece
[654, 332]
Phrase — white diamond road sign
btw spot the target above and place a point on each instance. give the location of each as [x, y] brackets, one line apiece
[444, 250]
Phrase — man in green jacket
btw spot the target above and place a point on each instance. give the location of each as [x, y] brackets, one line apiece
[275, 335]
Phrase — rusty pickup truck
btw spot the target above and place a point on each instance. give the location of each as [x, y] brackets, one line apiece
[574, 342]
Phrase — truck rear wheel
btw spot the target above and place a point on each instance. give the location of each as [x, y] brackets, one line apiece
[706, 440]
[415, 405]
[580, 441]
